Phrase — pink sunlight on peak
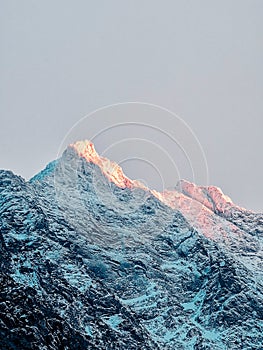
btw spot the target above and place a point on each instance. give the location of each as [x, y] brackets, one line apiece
[197, 203]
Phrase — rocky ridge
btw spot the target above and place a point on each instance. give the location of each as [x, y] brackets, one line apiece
[93, 260]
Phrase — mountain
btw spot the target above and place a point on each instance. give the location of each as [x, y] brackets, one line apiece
[93, 260]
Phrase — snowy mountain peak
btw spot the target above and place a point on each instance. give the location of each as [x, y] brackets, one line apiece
[110, 169]
[211, 197]
[206, 208]
[87, 150]
[85, 265]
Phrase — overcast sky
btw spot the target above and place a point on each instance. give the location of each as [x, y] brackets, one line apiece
[202, 60]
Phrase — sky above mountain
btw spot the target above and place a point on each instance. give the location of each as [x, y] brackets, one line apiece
[202, 60]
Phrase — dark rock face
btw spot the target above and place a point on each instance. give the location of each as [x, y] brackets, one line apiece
[88, 265]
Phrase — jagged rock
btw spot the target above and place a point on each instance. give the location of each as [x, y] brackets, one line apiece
[93, 260]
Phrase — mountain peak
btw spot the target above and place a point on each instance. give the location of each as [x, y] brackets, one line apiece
[87, 150]
[210, 197]
[96, 266]
[197, 203]
[110, 169]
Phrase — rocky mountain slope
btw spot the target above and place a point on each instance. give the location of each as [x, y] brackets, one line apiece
[93, 260]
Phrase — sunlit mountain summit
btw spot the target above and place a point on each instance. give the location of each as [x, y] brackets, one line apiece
[91, 259]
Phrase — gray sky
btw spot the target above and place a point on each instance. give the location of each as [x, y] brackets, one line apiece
[60, 60]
